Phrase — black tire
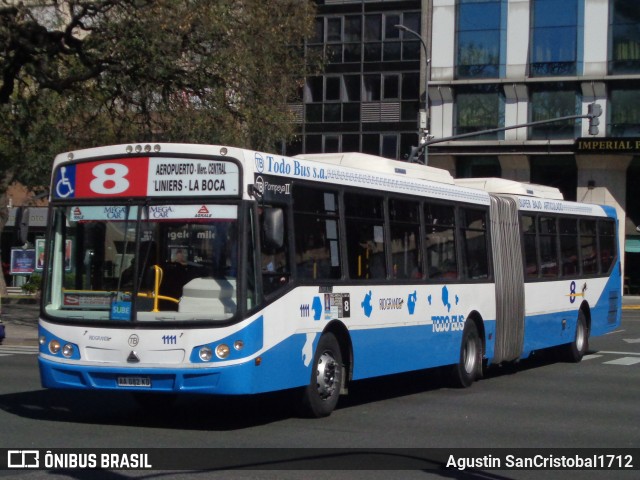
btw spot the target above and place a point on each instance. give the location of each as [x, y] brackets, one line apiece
[469, 366]
[320, 397]
[574, 351]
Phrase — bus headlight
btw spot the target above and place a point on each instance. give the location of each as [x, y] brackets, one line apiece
[42, 340]
[67, 350]
[205, 354]
[222, 351]
[54, 346]
[238, 345]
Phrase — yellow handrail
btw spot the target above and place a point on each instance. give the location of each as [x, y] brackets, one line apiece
[158, 274]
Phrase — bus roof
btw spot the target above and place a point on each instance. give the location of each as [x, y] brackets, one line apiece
[372, 163]
[504, 186]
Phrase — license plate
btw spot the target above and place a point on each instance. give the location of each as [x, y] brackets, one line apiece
[134, 381]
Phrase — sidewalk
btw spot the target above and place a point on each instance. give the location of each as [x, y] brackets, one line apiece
[20, 318]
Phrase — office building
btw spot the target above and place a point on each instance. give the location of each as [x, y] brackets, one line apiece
[489, 65]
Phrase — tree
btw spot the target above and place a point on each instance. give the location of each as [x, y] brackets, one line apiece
[85, 73]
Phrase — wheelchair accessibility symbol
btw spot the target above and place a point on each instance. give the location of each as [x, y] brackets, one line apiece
[64, 186]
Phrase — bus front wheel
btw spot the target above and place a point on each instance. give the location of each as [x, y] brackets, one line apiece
[469, 365]
[320, 397]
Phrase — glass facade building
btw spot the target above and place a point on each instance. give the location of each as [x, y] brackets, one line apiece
[507, 66]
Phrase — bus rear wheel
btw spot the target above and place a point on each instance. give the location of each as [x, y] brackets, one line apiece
[574, 351]
[320, 397]
[469, 365]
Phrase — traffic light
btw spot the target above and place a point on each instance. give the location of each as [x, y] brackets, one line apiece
[593, 112]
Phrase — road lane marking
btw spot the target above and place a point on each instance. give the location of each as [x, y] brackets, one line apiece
[623, 361]
[591, 357]
[619, 353]
[18, 350]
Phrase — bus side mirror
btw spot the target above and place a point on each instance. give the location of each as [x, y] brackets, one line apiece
[273, 227]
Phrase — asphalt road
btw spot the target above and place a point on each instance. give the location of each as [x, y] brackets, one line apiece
[537, 404]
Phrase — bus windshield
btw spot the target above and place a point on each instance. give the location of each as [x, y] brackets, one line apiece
[143, 263]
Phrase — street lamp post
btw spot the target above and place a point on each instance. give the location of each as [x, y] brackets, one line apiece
[423, 127]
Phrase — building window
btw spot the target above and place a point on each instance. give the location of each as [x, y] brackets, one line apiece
[372, 38]
[560, 171]
[478, 167]
[480, 107]
[332, 89]
[554, 32]
[352, 98]
[372, 88]
[391, 86]
[382, 40]
[390, 146]
[410, 44]
[478, 38]
[624, 41]
[353, 39]
[334, 30]
[549, 101]
[331, 143]
[313, 144]
[625, 116]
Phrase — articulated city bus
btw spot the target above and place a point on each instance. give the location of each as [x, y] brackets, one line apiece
[176, 268]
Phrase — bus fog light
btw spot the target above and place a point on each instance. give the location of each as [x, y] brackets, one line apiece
[238, 345]
[67, 350]
[54, 346]
[42, 340]
[205, 354]
[222, 351]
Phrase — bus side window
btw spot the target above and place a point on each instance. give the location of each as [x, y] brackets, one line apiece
[548, 246]
[315, 222]
[440, 241]
[588, 247]
[607, 244]
[406, 245]
[530, 246]
[569, 245]
[474, 236]
[366, 254]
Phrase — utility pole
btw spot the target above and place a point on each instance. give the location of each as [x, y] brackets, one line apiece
[423, 120]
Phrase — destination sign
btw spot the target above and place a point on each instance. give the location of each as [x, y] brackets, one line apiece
[147, 177]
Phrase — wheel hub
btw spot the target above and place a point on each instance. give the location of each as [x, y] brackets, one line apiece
[326, 375]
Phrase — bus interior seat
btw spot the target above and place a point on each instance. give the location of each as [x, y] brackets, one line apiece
[215, 296]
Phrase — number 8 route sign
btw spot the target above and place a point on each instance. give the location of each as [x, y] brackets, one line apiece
[144, 176]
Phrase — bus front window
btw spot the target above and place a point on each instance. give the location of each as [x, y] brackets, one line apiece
[151, 263]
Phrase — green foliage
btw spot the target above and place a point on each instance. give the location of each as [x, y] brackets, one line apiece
[117, 71]
[33, 285]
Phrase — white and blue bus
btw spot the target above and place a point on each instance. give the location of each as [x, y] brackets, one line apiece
[175, 268]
